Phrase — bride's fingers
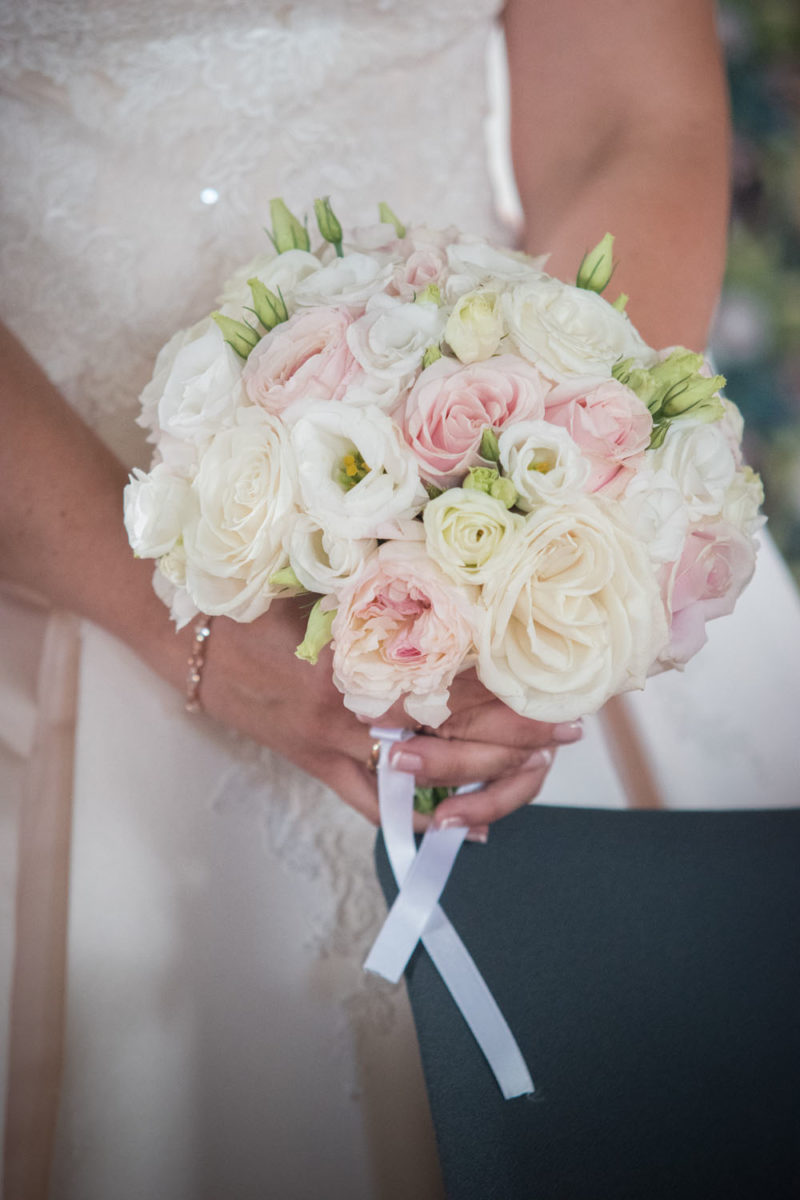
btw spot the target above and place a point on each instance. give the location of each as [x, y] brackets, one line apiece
[495, 722]
[496, 800]
[357, 786]
[435, 762]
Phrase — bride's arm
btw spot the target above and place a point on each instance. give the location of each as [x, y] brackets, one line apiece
[62, 536]
[620, 123]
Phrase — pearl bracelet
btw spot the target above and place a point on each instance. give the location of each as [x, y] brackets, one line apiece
[197, 658]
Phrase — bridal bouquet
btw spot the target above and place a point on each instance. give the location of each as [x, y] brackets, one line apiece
[466, 461]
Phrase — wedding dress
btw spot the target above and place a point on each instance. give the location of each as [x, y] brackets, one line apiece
[220, 1037]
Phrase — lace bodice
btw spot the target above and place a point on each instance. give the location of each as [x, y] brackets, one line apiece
[141, 142]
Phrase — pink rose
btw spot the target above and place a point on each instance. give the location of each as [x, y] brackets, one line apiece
[716, 563]
[305, 358]
[451, 405]
[425, 264]
[402, 628]
[609, 423]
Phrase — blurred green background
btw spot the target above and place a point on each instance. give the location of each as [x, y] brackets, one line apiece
[756, 340]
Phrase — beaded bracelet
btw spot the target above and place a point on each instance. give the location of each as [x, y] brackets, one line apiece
[197, 658]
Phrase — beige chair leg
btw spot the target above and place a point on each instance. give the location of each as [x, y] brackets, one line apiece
[36, 1025]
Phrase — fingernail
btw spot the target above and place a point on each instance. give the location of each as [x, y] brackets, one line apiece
[539, 758]
[567, 731]
[449, 822]
[402, 760]
[479, 834]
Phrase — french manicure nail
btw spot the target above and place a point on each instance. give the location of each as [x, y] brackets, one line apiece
[567, 731]
[539, 758]
[403, 760]
[478, 835]
[449, 823]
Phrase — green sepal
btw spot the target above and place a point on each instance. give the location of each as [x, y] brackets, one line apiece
[431, 355]
[286, 578]
[621, 302]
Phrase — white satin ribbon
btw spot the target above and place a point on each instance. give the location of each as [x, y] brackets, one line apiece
[415, 915]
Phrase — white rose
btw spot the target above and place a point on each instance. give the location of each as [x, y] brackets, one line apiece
[543, 463]
[469, 534]
[475, 262]
[245, 490]
[391, 338]
[203, 388]
[355, 470]
[349, 281]
[700, 459]
[177, 599]
[279, 272]
[475, 326]
[742, 503]
[657, 511]
[567, 331]
[156, 507]
[576, 615]
[153, 391]
[321, 560]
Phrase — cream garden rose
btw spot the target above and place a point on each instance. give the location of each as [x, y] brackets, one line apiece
[567, 331]
[470, 534]
[575, 617]
[245, 492]
[156, 507]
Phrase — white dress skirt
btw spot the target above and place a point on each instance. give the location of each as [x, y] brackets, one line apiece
[183, 1010]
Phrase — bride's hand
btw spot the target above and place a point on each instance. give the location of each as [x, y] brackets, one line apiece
[253, 682]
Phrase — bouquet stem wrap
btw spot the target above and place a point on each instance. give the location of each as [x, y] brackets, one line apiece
[416, 915]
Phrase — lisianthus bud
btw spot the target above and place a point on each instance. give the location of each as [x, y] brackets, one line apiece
[597, 266]
[503, 489]
[638, 379]
[287, 232]
[621, 302]
[269, 308]
[481, 479]
[240, 336]
[431, 355]
[685, 391]
[328, 223]
[490, 447]
[318, 633]
[387, 217]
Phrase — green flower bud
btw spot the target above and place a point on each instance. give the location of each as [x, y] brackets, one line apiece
[597, 266]
[503, 489]
[658, 435]
[328, 223]
[481, 479]
[287, 232]
[489, 447]
[240, 336]
[680, 389]
[431, 295]
[318, 634]
[433, 491]
[269, 308]
[286, 578]
[638, 379]
[431, 355]
[387, 217]
[621, 302]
